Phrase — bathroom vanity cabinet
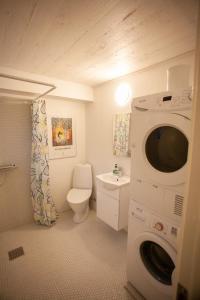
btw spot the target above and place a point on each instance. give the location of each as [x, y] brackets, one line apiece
[112, 202]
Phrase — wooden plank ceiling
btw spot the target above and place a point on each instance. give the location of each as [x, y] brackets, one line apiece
[92, 41]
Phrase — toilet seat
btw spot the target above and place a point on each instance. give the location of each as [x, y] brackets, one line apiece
[78, 195]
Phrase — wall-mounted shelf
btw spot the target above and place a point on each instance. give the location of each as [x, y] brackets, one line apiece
[7, 167]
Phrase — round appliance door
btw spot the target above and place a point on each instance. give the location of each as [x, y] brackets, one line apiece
[156, 260]
[161, 147]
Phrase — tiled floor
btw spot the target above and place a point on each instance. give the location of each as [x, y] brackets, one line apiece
[68, 261]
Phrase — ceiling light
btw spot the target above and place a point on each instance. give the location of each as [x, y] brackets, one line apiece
[123, 94]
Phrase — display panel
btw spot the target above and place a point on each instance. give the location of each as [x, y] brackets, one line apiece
[167, 98]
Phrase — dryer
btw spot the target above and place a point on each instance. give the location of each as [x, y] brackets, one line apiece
[160, 136]
[152, 251]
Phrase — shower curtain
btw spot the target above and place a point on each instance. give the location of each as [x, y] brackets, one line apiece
[44, 210]
[121, 134]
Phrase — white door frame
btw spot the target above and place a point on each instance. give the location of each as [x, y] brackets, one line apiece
[188, 264]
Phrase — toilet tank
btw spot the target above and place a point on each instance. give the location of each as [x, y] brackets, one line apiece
[82, 177]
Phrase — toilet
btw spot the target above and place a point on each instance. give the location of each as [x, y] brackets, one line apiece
[78, 197]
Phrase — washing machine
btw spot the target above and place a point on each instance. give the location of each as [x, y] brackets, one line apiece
[152, 251]
[160, 135]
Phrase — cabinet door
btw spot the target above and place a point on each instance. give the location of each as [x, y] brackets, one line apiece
[103, 188]
[108, 210]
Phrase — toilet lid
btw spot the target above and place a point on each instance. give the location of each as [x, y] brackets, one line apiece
[78, 195]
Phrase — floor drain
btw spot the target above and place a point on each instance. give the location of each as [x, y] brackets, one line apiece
[15, 253]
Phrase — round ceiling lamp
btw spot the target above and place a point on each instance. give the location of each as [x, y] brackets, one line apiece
[123, 94]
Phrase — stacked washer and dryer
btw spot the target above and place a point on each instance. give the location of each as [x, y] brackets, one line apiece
[160, 138]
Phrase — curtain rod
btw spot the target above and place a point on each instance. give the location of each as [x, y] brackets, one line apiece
[52, 86]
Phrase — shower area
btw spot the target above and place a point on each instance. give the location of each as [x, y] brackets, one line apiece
[15, 149]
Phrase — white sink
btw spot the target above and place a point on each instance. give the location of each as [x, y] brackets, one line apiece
[112, 182]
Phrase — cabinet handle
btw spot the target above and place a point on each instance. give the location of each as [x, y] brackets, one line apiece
[155, 186]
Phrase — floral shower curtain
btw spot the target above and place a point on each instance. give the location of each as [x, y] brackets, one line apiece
[44, 210]
[121, 134]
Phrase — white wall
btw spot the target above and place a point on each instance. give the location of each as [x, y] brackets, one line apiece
[15, 147]
[61, 169]
[99, 114]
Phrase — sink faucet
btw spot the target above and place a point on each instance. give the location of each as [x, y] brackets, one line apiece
[117, 172]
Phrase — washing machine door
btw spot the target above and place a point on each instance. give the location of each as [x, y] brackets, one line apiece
[156, 259]
[160, 146]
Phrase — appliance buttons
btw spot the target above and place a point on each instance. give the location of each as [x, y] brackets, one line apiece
[159, 226]
[174, 231]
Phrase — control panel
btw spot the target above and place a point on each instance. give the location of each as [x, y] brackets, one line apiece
[164, 228]
[160, 226]
[174, 100]
[170, 100]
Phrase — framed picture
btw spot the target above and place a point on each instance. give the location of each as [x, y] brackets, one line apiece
[61, 137]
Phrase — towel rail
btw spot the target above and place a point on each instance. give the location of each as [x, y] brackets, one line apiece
[51, 86]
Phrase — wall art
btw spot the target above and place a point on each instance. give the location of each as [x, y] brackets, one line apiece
[61, 137]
